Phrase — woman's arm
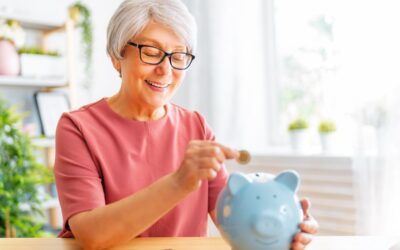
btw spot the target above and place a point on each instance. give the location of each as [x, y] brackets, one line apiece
[123, 220]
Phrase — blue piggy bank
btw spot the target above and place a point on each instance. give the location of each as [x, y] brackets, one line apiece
[260, 211]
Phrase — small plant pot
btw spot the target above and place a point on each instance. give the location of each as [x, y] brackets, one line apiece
[9, 60]
[43, 66]
[326, 142]
[297, 139]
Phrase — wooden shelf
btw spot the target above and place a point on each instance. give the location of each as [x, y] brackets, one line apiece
[32, 82]
[33, 22]
[44, 142]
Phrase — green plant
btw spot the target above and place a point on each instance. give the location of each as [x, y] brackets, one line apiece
[82, 16]
[326, 126]
[20, 178]
[297, 124]
[37, 51]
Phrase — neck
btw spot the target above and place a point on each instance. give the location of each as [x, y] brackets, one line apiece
[126, 108]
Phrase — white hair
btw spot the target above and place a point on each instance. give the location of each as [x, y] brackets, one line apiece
[132, 16]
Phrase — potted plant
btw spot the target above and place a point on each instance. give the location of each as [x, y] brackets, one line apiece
[21, 178]
[297, 129]
[326, 129]
[38, 63]
[11, 37]
[81, 15]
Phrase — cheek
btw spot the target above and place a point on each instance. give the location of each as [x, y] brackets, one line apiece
[178, 77]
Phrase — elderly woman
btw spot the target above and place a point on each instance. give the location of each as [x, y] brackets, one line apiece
[134, 164]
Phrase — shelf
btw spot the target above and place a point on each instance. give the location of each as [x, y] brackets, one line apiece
[32, 82]
[31, 22]
[44, 142]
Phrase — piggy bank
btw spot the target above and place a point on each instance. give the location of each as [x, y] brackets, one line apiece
[260, 211]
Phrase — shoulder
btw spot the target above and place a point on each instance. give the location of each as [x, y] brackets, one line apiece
[187, 114]
[84, 115]
[193, 119]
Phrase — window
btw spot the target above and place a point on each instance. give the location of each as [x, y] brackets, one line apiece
[335, 60]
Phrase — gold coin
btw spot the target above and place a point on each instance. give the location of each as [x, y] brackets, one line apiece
[244, 157]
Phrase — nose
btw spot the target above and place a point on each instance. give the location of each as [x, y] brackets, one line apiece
[267, 224]
[164, 68]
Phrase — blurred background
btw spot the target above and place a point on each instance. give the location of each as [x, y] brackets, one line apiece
[309, 85]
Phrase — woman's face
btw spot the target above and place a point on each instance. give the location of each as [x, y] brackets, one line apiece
[151, 86]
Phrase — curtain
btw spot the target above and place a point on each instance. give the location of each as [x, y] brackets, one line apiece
[377, 157]
[231, 80]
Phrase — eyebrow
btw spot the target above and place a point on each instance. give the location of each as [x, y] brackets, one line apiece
[158, 44]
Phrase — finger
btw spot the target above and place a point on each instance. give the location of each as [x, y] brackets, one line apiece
[228, 152]
[207, 173]
[309, 226]
[303, 238]
[209, 162]
[297, 246]
[213, 151]
[306, 205]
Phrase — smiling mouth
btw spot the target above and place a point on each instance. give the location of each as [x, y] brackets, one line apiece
[157, 85]
[267, 242]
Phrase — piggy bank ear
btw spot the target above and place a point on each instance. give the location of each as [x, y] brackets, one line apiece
[236, 182]
[290, 179]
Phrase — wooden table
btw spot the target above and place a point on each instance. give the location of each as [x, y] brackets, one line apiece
[319, 243]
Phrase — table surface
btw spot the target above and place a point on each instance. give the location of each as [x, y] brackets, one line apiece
[193, 243]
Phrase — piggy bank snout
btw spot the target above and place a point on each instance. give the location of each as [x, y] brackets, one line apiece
[267, 224]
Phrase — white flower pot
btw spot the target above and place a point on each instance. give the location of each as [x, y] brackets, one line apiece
[326, 142]
[43, 66]
[298, 139]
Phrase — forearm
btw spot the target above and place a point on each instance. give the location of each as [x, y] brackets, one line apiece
[125, 219]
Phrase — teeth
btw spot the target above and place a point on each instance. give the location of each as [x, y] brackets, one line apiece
[156, 85]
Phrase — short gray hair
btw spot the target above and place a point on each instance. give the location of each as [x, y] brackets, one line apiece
[132, 16]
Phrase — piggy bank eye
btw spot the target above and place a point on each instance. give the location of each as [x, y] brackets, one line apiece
[274, 196]
[258, 197]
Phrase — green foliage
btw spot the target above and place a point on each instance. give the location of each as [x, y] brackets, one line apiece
[327, 126]
[81, 14]
[20, 177]
[37, 51]
[297, 124]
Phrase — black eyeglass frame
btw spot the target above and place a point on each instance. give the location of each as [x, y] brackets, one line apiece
[166, 54]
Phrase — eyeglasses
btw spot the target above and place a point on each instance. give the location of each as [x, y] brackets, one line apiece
[154, 56]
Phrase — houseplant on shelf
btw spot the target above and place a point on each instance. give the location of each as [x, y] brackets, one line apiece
[296, 129]
[12, 36]
[81, 15]
[38, 63]
[21, 178]
[326, 129]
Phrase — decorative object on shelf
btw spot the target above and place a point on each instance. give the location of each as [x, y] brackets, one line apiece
[50, 106]
[81, 14]
[40, 64]
[11, 37]
[326, 129]
[21, 177]
[297, 129]
[260, 211]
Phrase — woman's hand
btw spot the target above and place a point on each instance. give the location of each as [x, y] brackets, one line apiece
[308, 227]
[202, 160]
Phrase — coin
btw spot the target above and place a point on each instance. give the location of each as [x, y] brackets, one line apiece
[244, 157]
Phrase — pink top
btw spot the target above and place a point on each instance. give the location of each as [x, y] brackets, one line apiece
[102, 157]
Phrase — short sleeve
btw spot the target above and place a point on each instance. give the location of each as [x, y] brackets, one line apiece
[218, 183]
[78, 180]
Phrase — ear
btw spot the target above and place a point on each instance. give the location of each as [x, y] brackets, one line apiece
[117, 64]
[236, 182]
[290, 179]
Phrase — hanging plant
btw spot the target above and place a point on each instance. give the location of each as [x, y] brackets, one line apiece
[20, 178]
[81, 14]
